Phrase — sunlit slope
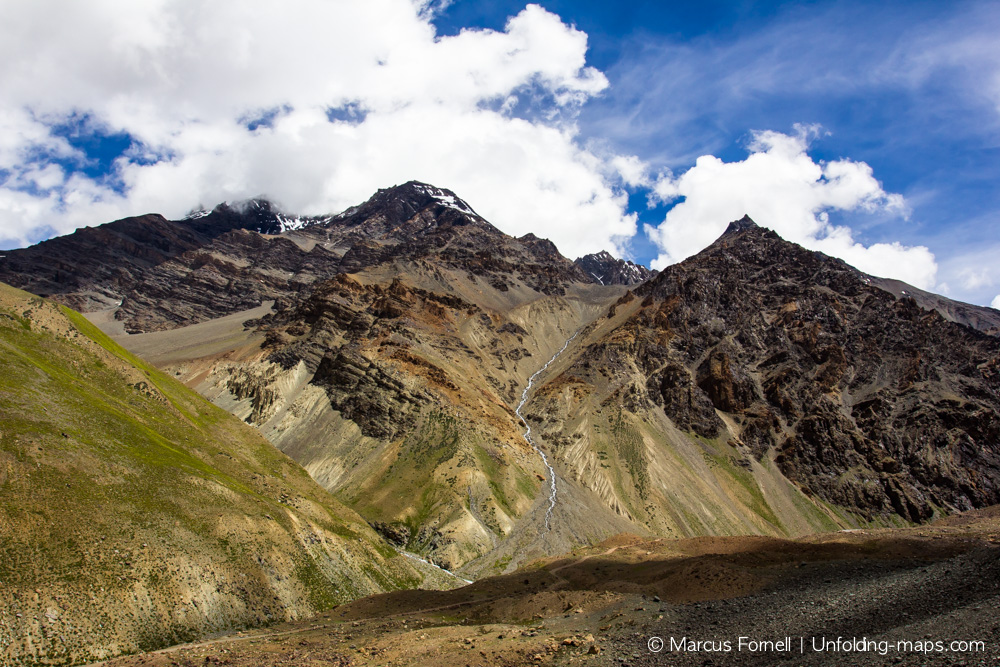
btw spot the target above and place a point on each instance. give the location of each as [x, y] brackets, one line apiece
[399, 399]
[135, 514]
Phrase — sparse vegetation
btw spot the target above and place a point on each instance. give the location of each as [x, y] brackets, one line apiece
[144, 515]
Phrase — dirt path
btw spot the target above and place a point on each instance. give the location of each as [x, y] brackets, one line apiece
[577, 562]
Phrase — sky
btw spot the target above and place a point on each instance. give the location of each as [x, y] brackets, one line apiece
[868, 131]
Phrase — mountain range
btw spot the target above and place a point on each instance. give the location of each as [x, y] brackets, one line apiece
[483, 401]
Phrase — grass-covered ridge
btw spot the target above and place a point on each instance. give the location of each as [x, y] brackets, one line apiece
[135, 514]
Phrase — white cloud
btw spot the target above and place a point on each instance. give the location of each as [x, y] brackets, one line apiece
[973, 278]
[633, 171]
[973, 269]
[781, 187]
[183, 77]
[996, 302]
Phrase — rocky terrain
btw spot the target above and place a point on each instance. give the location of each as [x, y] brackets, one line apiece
[977, 317]
[134, 514]
[400, 399]
[756, 388]
[394, 387]
[920, 596]
[609, 270]
[160, 274]
[864, 400]
[94, 267]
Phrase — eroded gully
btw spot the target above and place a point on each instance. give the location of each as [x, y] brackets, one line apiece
[527, 431]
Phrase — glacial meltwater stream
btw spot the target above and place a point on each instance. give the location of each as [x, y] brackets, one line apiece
[527, 431]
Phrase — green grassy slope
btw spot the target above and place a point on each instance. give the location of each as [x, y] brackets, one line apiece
[135, 514]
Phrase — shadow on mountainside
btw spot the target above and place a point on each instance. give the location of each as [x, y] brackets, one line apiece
[604, 604]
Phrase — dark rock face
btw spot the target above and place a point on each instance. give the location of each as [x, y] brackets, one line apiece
[866, 400]
[96, 267]
[234, 272]
[671, 388]
[91, 266]
[350, 337]
[605, 269]
[397, 534]
[259, 215]
[728, 386]
[984, 319]
[367, 393]
[871, 402]
[173, 273]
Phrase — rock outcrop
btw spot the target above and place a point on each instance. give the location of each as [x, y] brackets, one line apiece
[863, 399]
[606, 269]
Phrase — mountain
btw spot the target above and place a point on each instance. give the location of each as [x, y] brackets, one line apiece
[400, 350]
[134, 514]
[94, 267]
[471, 287]
[394, 384]
[799, 362]
[609, 270]
[160, 274]
[259, 215]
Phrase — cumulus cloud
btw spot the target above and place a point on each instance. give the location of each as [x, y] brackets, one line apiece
[780, 186]
[313, 103]
[633, 171]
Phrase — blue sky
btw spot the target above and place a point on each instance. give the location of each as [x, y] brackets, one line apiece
[930, 130]
[870, 131]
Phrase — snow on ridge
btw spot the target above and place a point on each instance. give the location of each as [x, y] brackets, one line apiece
[345, 213]
[194, 215]
[451, 201]
[291, 224]
[454, 202]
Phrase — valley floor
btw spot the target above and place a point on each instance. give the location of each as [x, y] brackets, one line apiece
[927, 595]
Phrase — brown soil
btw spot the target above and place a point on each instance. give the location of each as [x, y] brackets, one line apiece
[602, 604]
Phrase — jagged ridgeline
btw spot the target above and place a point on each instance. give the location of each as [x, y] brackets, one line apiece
[134, 514]
[783, 365]
[756, 387]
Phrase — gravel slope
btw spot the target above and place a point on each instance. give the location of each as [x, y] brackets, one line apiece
[602, 606]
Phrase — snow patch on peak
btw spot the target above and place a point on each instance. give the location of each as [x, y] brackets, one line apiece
[449, 200]
[288, 224]
[455, 203]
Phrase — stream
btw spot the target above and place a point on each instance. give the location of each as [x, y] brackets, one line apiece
[527, 432]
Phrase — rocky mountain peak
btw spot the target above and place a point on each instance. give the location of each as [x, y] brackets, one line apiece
[814, 357]
[606, 269]
[401, 202]
[539, 242]
[258, 214]
[745, 223]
